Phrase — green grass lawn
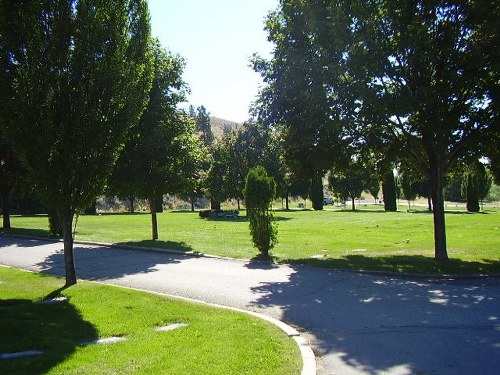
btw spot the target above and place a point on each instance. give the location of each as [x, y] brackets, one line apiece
[368, 239]
[214, 341]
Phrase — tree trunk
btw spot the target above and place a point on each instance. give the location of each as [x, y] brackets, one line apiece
[353, 204]
[154, 221]
[192, 204]
[287, 202]
[239, 207]
[66, 218]
[429, 202]
[437, 178]
[6, 208]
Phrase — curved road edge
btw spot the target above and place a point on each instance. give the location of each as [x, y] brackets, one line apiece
[308, 357]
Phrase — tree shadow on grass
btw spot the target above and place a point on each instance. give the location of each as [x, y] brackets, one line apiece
[158, 244]
[406, 264]
[55, 329]
[29, 232]
[449, 212]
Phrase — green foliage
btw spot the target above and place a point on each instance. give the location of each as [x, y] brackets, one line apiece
[203, 127]
[79, 84]
[476, 184]
[162, 153]
[233, 156]
[78, 73]
[317, 192]
[494, 194]
[55, 227]
[389, 191]
[352, 179]
[259, 193]
[406, 75]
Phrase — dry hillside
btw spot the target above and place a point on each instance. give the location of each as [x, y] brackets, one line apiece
[219, 126]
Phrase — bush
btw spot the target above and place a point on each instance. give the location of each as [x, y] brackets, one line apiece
[259, 193]
[55, 227]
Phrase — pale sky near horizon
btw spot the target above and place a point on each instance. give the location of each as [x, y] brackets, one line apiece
[217, 38]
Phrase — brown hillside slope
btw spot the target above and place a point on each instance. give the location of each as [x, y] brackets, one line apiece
[219, 126]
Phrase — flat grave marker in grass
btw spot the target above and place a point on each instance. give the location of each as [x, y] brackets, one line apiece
[27, 353]
[170, 327]
[109, 340]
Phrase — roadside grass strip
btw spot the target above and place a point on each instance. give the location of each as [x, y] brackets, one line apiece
[44, 335]
[367, 239]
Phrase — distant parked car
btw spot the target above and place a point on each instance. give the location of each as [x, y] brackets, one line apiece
[327, 200]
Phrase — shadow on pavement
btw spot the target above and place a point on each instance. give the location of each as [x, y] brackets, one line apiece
[378, 324]
[158, 244]
[102, 263]
[405, 264]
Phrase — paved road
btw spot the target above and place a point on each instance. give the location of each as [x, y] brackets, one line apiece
[356, 323]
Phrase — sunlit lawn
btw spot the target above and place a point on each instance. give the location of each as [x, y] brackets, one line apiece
[213, 341]
[366, 239]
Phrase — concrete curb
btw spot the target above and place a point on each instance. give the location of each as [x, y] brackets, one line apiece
[306, 352]
[308, 357]
[421, 276]
[410, 276]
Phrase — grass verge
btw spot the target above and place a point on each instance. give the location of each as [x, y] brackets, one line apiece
[368, 239]
[215, 341]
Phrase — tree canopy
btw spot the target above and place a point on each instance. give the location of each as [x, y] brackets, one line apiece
[79, 72]
[412, 75]
[162, 152]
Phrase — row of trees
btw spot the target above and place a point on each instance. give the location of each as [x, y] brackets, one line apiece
[408, 81]
[89, 104]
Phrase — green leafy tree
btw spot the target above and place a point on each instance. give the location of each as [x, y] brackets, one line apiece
[162, 153]
[408, 185]
[389, 190]
[351, 180]
[484, 182]
[476, 184]
[202, 118]
[259, 193]
[80, 72]
[421, 76]
[12, 175]
[317, 191]
[233, 156]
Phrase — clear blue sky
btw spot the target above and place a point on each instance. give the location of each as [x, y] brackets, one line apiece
[216, 37]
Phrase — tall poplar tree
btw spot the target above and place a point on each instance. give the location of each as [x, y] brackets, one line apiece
[80, 73]
[162, 152]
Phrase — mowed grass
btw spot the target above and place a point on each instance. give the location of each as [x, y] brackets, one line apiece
[214, 341]
[368, 239]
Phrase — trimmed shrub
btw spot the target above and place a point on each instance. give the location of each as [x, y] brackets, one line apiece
[259, 192]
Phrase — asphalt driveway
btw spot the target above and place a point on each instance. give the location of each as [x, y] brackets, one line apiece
[356, 323]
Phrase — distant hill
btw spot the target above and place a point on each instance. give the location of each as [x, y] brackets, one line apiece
[220, 126]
